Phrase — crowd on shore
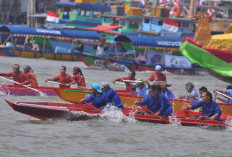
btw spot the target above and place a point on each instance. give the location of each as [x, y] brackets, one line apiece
[154, 91]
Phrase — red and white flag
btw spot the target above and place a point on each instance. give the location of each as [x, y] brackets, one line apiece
[52, 17]
[170, 25]
[209, 11]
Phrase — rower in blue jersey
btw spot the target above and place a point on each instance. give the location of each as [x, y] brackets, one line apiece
[157, 102]
[209, 107]
[141, 87]
[166, 91]
[97, 98]
[192, 93]
[111, 96]
[224, 93]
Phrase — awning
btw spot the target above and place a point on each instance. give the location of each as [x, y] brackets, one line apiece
[151, 41]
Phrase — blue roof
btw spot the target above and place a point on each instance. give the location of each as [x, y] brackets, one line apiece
[24, 31]
[86, 6]
[151, 41]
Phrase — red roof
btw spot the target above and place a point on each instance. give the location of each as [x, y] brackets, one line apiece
[104, 28]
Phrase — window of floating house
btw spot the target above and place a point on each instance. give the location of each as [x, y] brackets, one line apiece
[133, 25]
[96, 13]
[146, 20]
[85, 12]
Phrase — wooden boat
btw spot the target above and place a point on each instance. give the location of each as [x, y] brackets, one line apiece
[54, 111]
[128, 99]
[23, 91]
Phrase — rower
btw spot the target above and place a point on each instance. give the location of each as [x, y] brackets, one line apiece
[128, 81]
[157, 75]
[141, 87]
[97, 98]
[202, 90]
[16, 74]
[31, 78]
[157, 102]
[227, 92]
[64, 79]
[192, 93]
[111, 96]
[210, 108]
[78, 77]
[166, 91]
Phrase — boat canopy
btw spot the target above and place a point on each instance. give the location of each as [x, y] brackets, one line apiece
[151, 41]
[49, 33]
[86, 6]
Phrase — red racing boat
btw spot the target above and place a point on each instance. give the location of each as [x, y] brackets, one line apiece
[78, 111]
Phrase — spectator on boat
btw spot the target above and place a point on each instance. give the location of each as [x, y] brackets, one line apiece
[128, 81]
[35, 46]
[227, 92]
[79, 48]
[141, 87]
[64, 79]
[111, 96]
[97, 98]
[210, 108]
[157, 102]
[17, 75]
[78, 77]
[192, 93]
[166, 91]
[28, 45]
[100, 49]
[157, 75]
[31, 78]
[142, 59]
[202, 90]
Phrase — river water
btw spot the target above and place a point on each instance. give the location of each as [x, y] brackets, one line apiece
[21, 135]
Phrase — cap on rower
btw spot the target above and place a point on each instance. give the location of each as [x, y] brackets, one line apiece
[158, 67]
[105, 85]
[97, 87]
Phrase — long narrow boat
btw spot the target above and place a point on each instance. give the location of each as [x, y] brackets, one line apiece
[78, 111]
[128, 99]
[55, 111]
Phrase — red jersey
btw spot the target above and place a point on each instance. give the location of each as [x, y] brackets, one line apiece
[156, 77]
[129, 87]
[80, 80]
[20, 77]
[31, 79]
[63, 80]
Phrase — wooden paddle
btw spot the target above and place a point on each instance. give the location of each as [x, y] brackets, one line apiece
[40, 92]
[224, 95]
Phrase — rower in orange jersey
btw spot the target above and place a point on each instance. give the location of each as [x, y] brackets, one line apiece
[78, 77]
[31, 78]
[64, 79]
[128, 81]
[16, 74]
[157, 75]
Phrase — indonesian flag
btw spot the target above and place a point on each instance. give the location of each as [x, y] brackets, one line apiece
[52, 17]
[170, 25]
[209, 11]
[176, 2]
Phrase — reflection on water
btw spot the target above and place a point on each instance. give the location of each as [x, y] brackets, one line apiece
[112, 134]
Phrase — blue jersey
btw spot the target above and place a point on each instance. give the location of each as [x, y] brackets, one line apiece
[208, 109]
[141, 92]
[98, 101]
[192, 93]
[160, 103]
[112, 97]
[169, 94]
[229, 93]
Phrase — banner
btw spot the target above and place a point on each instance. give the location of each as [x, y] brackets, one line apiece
[154, 58]
[177, 61]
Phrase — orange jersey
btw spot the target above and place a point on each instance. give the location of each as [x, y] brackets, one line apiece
[156, 77]
[80, 80]
[65, 79]
[20, 77]
[31, 79]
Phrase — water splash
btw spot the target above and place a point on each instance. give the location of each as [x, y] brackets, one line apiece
[173, 120]
[228, 122]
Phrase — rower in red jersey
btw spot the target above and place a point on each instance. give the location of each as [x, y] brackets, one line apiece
[78, 77]
[31, 78]
[16, 74]
[128, 81]
[64, 79]
[157, 75]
